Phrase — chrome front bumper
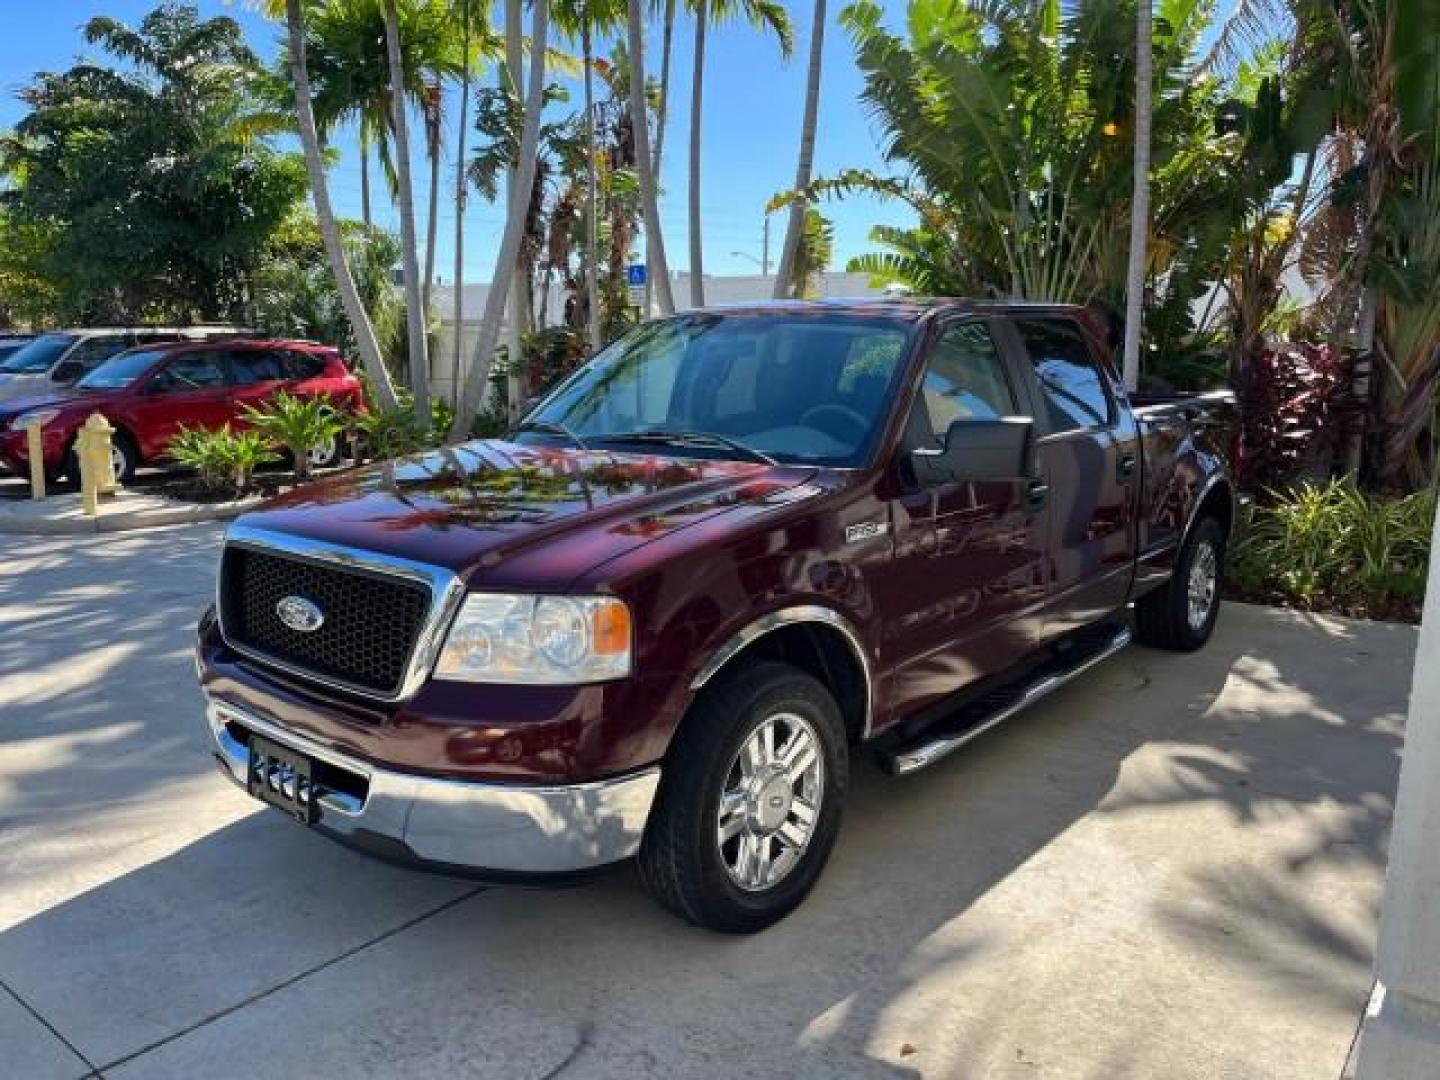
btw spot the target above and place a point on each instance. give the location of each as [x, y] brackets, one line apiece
[455, 824]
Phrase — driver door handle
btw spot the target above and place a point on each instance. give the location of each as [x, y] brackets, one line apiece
[1125, 466]
[1037, 493]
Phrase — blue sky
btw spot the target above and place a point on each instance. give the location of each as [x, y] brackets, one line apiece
[753, 102]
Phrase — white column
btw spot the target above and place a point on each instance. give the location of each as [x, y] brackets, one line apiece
[1401, 1041]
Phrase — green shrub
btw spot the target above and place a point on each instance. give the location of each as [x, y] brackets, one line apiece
[299, 424]
[222, 455]
[381, 435]
[202, 451]
[1334, 546]
[242, 452]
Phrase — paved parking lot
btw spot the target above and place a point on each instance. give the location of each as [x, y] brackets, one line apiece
[1171, 869]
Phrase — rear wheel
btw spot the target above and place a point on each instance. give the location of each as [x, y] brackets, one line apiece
[750, 801]
[1181, 616]
[328, 454]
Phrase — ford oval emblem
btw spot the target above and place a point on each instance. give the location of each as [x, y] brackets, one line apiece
[301, 615]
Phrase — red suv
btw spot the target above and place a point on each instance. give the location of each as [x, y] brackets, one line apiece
[149, 394]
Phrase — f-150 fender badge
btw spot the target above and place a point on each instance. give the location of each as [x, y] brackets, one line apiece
[866, 530]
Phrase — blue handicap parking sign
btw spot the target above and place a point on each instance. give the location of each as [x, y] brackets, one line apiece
[635, 274]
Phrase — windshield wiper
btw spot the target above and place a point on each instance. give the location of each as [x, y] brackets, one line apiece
[553, 428]
[698, 438]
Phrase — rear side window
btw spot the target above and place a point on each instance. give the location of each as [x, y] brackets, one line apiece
[193, 371]
[302, 365]
[1071, 385]
[964, 380]
[256, 366]
[93, 351]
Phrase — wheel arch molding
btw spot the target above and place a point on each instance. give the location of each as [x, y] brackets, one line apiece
[816, 638]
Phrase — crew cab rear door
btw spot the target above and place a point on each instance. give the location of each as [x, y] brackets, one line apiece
[1088, 455]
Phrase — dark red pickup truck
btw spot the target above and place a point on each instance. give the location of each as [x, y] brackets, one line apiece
[734, 547]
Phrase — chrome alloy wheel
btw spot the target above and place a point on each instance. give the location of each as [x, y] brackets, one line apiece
[770, 802]
[1204, 583]
[117, 461]
[322, 453]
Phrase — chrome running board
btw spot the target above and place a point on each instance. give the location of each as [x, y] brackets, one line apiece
[928, 748]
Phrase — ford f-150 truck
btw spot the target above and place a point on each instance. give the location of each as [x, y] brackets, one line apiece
[732, 549]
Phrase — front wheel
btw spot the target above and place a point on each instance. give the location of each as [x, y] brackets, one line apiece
[1181, 615]
[750, 800]
[123, 456]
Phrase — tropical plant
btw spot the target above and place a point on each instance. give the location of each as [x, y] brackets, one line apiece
[1292, 412]
[360, 325]
[795, 224]
[761, 14]
[812, 258]
[301, 425]
[473, 394]
[223, 454]
[1379, 233]
[416, 293]
[1011, 124]
[145, 185]
[659, 266]
[1332, 545]
[202, 450]
[293, 292]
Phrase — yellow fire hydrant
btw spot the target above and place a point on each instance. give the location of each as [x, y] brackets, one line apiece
[97, 466]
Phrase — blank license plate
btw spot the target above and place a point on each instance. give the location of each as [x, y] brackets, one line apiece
[281, 777]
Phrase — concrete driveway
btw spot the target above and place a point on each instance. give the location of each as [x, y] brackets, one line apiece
[1169, 870]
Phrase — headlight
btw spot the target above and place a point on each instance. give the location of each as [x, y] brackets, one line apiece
[547, 640]
[40, 416]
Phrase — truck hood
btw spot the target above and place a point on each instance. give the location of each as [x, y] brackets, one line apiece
[522, 516]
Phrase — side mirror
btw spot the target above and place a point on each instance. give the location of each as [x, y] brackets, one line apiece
[67, 371]
[979, 450]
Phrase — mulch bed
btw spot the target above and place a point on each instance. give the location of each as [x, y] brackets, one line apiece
[183, 488]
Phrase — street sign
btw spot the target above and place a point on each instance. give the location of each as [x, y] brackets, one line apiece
[635, 278]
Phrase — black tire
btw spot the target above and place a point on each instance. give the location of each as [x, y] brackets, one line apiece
[1163, 617]
[682, 861]
[128, 459]
[330, 460]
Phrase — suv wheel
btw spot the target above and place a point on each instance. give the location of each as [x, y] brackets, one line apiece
[1181, 616]
[750, 800]
[327, 454]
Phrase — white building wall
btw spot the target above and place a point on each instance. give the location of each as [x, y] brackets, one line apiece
[718, 291]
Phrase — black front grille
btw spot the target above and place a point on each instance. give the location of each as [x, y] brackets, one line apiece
[371, 622]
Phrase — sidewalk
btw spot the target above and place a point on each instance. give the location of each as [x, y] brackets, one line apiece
[63, 513]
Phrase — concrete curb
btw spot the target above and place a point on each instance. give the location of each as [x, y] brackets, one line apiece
[69, 519]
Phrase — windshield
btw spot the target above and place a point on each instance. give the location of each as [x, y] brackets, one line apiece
[801, 387]
[35, 357]
[121, 370]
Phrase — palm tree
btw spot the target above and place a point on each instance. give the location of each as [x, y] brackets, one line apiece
[1140, 194]
[760, 13]
[505, 261]
[460, 200]
[414, 304]
[795, 226]
[369, 348]
[582, 19]
[659, 268]
[592, 219]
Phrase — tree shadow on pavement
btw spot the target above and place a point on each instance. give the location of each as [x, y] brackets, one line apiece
[1068, 896]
